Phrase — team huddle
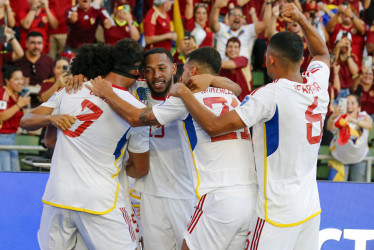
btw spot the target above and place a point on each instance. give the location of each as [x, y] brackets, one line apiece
[202, 179]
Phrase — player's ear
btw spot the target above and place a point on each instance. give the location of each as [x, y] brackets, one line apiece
[174, 68]
[272, 59]
[194, 70]
[302, 60]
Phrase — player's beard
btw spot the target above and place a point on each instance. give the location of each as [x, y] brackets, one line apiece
[165, 92]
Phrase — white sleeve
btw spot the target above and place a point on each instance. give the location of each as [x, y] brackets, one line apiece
[319, 71]
[172, 109]
[54, 101]
[259, 107]
[138, 140]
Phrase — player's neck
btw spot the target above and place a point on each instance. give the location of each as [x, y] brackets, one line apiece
[119, 80]
[293, 75]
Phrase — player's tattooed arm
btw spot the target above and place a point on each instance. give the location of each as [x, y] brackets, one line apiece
[147, 117]
[134, 116]
[201, 82]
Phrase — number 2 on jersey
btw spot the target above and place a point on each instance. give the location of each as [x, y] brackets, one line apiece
[87, 118]
[313, 118]
[209, 101]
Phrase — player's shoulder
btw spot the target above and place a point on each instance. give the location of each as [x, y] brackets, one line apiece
[128, 96]
[316, 66]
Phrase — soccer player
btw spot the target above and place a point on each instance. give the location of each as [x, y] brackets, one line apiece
[166, 204]
[84, 197]
[218, 165]
[287, 118]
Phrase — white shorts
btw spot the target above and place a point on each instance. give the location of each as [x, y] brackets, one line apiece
[264, 235]
[163, 221]
[221, 219]
[65, 229]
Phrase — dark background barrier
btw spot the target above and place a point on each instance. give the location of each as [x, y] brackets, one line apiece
[347, 219]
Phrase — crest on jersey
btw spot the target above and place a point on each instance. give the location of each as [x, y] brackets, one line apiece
[3, 105]
[315, 66]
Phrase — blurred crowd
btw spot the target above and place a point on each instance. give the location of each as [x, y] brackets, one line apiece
[41, 37]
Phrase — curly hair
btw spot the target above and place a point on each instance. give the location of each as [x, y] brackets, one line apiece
[93, 60]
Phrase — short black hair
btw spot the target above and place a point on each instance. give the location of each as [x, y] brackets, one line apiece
[93, 61]
[8, 71]
[127, 54]
[207, 58]
[33, 34]
[179, 72]
[288, 45]
[158, 50]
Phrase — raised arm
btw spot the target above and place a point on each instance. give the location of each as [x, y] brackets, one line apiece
[52, 20]
[188, 13]
[261, 26]
[134, 116]
[271, 27]
[316, 45]
[214, 14]
[9, 14]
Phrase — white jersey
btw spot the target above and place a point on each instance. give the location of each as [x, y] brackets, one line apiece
[356, 148]
[88, 157]
[287, 119]
[168, 174]
[246, 34]
[215, 162]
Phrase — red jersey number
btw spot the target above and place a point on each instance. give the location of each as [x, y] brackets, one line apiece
[209, 101]
[87, 119]
[157, 131]
[313, 118]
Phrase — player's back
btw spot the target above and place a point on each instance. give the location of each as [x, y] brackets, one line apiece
[221, 161]
[286, 144]
[87, 157]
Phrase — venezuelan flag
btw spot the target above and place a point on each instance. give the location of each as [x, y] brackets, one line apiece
[177, 22]
[336, 171]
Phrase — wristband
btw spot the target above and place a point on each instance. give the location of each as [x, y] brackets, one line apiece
[349, 56]
[269, 2]
[11, 39]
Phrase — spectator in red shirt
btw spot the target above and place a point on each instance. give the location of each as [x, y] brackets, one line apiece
[57, 37]
[197, 22]
[124, 25]
[11, 105]
[10, 57]
[35, 65]
[51, 85]
[157, 30]
[7, 12]
[364, 87]
[370, 41]
[37, 18]
[347, 20]
[348, 65]
[83, 20]
[237, 68]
